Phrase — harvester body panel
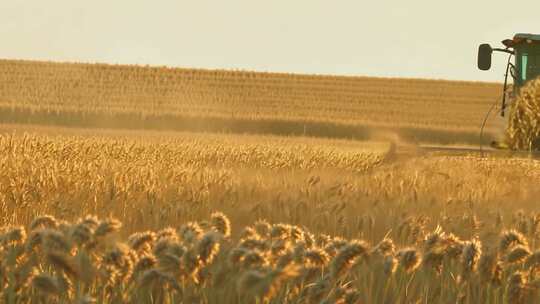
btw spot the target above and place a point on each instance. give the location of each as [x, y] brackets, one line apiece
[527, 62]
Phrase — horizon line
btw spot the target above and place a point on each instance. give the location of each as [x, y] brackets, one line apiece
[237, 70]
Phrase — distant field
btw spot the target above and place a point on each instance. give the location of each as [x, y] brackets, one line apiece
[242, 102]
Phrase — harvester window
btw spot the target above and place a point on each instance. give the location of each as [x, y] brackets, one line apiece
[530, 66]
[524, 59]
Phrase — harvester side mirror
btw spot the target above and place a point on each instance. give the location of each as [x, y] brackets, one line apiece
[484, 57]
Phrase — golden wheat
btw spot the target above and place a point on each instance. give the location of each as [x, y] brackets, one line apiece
[112, 271]
[523, 132]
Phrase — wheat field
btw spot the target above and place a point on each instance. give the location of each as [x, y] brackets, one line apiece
[155, 185]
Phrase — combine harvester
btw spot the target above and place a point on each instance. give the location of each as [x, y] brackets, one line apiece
[523, 64]
[525, 49]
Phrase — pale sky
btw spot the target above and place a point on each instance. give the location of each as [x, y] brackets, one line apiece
[413, 38]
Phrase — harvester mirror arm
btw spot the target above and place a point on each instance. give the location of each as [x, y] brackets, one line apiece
[504, 51]
[484, 55]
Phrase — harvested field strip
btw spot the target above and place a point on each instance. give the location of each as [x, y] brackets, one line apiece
[270, 126]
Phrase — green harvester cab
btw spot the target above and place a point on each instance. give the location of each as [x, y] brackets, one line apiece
[525, 50]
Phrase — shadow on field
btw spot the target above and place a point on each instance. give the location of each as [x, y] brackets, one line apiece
[134, 121]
